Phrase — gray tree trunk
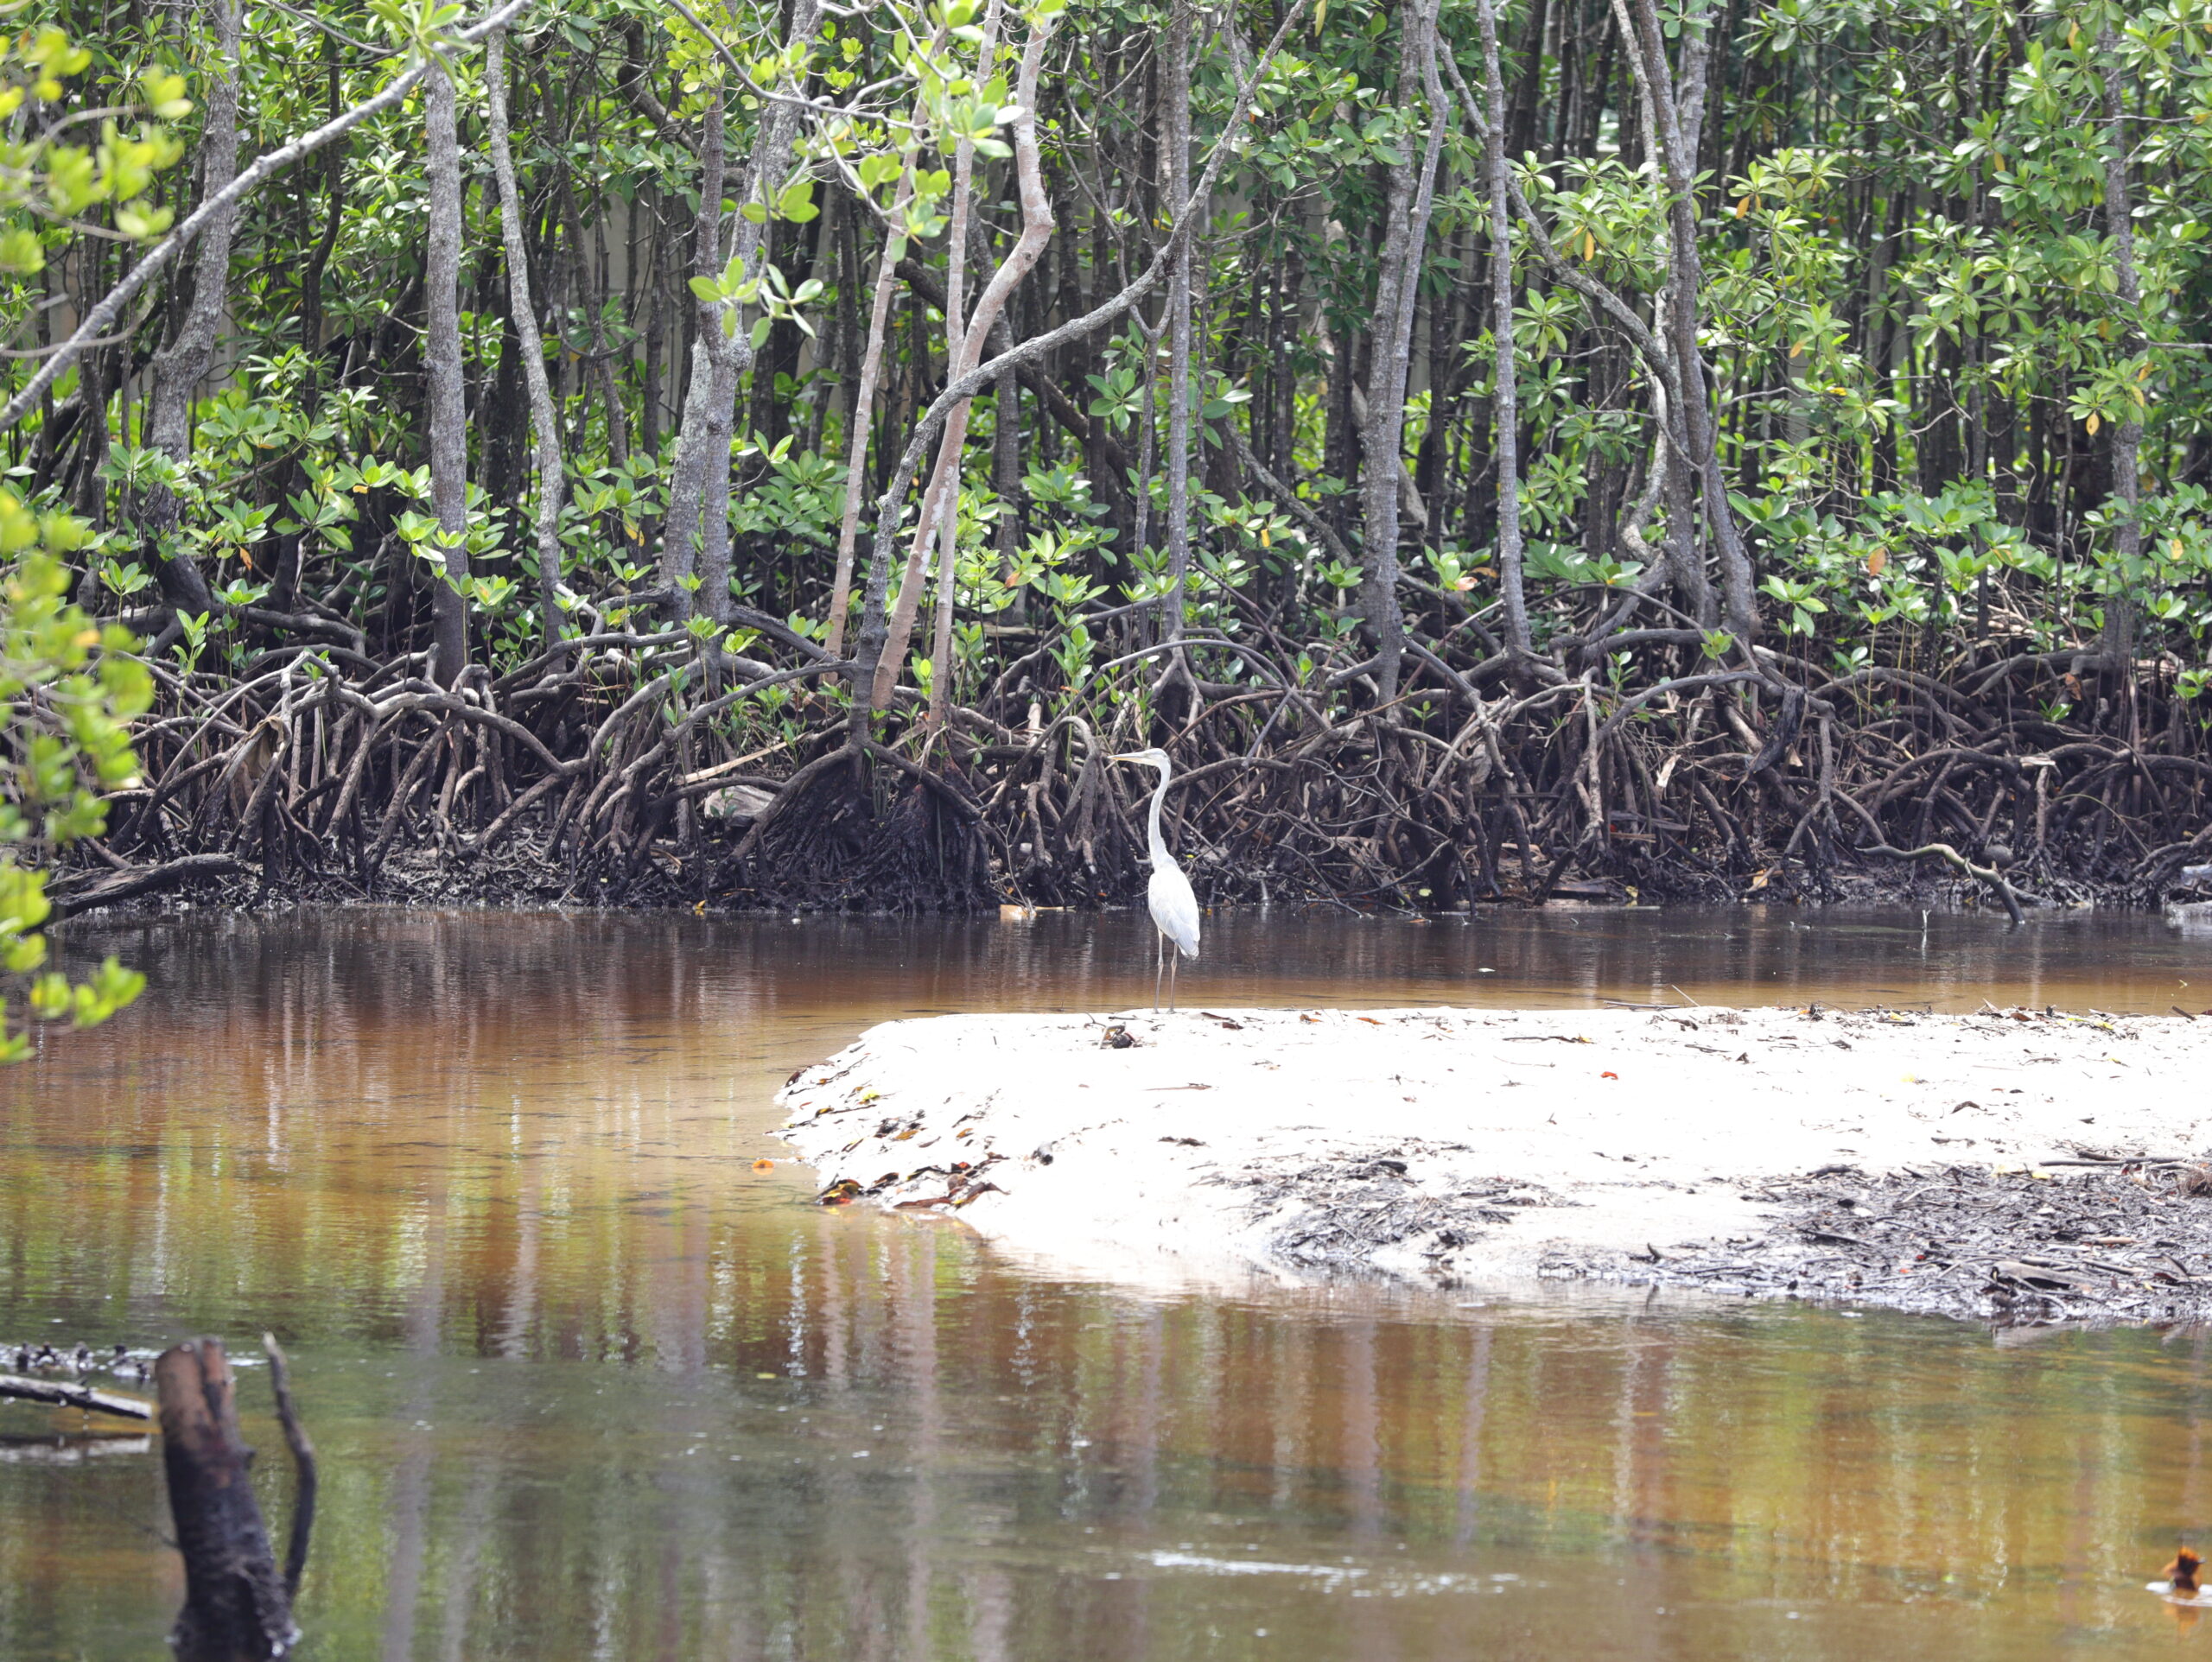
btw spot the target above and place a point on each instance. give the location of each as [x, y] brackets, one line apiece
[957, 251]
[1668, 471]
[545, 421]
[883, 644]
[1036, 230]
[1147, 428]
[880, 647]
[862, 417]
[725, 358]
[687, 473]
[2120, 611]
[1411, 196]
[442, 356]
[179, 369]
[1175, 95]
[1677, 114]
[1505, 402]
[1006, 440]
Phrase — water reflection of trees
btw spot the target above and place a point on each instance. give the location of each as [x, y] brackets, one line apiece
[491, 1178]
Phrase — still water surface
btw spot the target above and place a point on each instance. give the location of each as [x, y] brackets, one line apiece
[589, 1385]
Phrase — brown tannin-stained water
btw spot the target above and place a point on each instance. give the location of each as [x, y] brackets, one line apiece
[586, 1384]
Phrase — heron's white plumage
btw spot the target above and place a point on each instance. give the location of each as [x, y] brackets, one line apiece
[1169, 897]
[1174, 907]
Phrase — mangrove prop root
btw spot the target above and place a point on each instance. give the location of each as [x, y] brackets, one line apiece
[614, 776]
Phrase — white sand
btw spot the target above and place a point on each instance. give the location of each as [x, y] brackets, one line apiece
[1633, 1129]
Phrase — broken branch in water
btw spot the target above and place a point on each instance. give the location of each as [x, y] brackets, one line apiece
[304, 1465]
[128, 884]
[1988, 876]
[62, 1394]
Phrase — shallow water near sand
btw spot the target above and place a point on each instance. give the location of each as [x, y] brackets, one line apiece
[586, 1384]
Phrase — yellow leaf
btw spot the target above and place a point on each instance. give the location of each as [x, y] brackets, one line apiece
[1742, 206]
[1589, 245]
[2174, 547]
[1797, 349]
[1877, 561]
[2095, 422]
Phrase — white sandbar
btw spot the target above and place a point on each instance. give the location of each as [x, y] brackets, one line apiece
[1611, 1132]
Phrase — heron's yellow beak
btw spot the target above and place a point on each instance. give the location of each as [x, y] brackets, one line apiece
[1131, 758]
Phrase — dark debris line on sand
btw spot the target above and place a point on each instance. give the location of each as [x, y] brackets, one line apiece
[2123, 1241]
[1336, 1213]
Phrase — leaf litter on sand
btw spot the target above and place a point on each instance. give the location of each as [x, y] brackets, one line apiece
[1337, 1212]
[2110, 1241]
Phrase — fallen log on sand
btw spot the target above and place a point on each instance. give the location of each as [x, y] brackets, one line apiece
[1705, 1147]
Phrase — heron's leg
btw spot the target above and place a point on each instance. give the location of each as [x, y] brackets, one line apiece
[1158, 968]
[1174, 964]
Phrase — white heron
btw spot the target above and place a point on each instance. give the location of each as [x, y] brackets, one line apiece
[1174, 907]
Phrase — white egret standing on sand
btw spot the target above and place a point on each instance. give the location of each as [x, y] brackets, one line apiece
[1175, 908]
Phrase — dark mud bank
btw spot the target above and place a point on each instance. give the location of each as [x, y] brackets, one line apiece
[525, 871]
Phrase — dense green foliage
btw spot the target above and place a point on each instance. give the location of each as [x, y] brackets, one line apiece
[68, 687]
[67, 690]
[1934, 273]
[1914, 333]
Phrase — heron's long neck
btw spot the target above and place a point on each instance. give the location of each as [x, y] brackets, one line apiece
[1159, 801]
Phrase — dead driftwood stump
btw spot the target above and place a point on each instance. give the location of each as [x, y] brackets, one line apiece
[237, 1605]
